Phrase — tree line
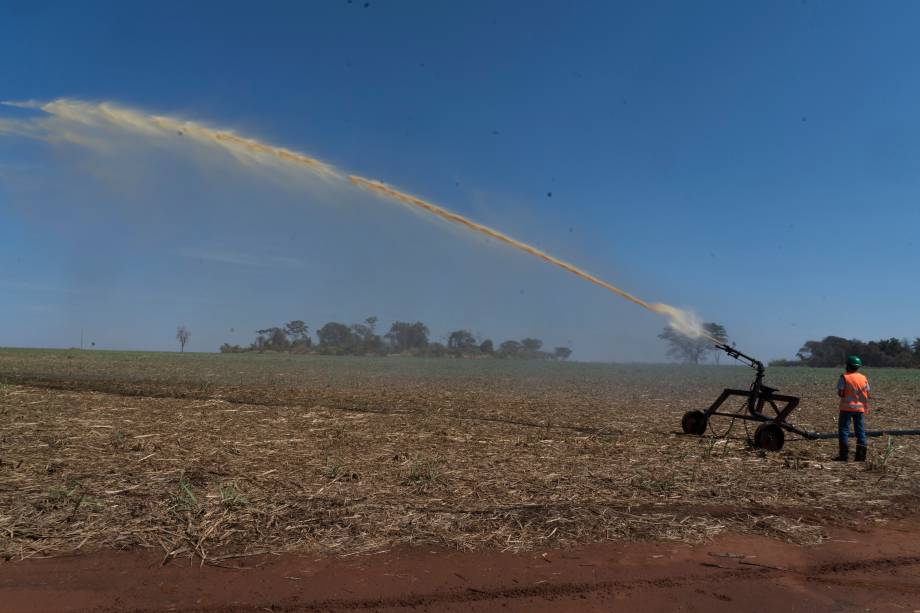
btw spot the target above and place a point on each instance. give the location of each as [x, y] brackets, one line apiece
[407, 338]
[832, 351]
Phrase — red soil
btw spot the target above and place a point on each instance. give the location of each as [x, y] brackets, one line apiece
[877, 569]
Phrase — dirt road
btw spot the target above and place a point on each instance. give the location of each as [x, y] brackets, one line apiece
[877, 569]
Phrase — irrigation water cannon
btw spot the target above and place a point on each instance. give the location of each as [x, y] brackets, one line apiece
[770, 434]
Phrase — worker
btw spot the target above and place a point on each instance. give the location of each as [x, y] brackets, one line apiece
[853, 389]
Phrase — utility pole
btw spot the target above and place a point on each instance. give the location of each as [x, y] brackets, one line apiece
[81, 339]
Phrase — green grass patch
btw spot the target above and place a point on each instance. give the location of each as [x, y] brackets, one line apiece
[424, 473]
[231, 498]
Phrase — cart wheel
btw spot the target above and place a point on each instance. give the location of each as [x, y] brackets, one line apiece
[769, 437]
[694, 422]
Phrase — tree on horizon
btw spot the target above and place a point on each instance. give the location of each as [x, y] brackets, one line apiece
[183, 334]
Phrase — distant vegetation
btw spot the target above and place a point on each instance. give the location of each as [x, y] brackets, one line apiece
[182, 335]
[404, 338]
[833, 350]
[694, 350]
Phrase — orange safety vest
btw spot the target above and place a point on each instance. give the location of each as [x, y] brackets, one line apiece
[855, 393]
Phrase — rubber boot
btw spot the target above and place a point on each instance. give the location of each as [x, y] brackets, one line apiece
[844, 454]
[860, 453]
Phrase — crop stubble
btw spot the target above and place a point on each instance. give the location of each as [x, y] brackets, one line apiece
[361, 456]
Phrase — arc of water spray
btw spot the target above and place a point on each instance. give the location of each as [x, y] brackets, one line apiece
[680, 319]
[389, 192]
[155, 125]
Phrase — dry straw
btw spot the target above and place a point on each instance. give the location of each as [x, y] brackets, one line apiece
[220, 472]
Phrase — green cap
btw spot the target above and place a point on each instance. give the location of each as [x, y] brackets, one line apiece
[853, 360]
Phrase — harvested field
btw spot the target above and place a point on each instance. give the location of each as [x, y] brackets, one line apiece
[218, 457]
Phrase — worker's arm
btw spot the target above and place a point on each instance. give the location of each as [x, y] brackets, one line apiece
[841, 387]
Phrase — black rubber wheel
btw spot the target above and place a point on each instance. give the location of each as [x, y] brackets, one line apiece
[769, 437]
[694, 422]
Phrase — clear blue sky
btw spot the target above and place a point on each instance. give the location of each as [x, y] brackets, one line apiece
[756, 162]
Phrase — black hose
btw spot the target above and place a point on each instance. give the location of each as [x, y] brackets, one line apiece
[829, 435]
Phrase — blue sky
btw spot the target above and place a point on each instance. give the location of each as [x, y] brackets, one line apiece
[756, 162]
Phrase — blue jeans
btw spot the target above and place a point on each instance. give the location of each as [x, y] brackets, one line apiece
[859, 425]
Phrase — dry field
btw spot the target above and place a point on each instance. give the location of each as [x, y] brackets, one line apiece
[222, 456]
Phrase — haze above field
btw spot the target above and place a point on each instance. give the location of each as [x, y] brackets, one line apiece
[758, 165]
